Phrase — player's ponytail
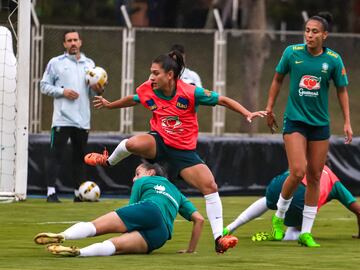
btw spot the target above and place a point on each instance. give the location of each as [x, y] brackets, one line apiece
[179, 59]
[172, 61]
[325, 18]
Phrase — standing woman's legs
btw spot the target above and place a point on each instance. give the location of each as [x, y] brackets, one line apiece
[201, 177]
[295, 146]
[316, 156]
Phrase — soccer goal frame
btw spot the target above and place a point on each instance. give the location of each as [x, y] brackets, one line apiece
[17, 189]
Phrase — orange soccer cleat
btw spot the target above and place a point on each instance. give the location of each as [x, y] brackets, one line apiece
[223, 243]
[94, 159]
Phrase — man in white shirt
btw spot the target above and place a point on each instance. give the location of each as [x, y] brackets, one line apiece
[64, 80]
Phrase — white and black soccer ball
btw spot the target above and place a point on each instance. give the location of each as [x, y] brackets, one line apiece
[96, 75]
[89, 191]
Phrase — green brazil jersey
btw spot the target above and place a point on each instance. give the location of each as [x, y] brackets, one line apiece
[165, 195]
[309, 83]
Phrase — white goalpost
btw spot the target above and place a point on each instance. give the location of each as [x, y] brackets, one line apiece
[14, 107]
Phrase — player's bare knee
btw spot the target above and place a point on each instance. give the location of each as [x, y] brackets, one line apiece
[298, 173]
[210, 187]
[131, 145]
[314, 176]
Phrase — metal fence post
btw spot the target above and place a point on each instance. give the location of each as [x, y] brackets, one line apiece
[127, 72]
[35, 73]
[219, 76]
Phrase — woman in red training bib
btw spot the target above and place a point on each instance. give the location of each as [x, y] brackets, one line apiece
[174, 132]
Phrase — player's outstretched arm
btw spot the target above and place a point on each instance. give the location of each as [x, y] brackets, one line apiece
[198, 223]
[99, 102]
[355, 208]
[237, 107]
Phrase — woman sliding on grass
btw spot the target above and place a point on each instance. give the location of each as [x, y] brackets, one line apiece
[146, 223]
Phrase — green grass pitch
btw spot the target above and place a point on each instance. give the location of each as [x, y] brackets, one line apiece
[20, 221]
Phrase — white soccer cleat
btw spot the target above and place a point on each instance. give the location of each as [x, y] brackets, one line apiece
[49, 238]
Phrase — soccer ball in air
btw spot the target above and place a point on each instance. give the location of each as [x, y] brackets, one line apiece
[89, 192]
[96, 75]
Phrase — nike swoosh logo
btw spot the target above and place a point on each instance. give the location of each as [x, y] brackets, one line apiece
[298, 62]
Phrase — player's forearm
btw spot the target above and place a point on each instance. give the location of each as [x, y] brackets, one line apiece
[344, 103]
[233, 105]
[122, 103]
[196, 231]
[355, 208]
[274, 91]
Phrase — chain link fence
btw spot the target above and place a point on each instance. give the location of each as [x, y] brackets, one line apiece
[104, 46]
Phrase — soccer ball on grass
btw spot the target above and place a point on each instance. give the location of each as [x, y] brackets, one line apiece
[89, 192]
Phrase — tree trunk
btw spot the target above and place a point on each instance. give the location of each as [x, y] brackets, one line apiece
[254, 18]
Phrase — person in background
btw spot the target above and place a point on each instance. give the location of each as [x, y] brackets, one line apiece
[189, 76]
[64, 80]
[330, 189]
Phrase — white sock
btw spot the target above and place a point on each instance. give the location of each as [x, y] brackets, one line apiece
[119, 153]
[253, 211]
[76, 192]
[282, 206]
[105, 248]
[79, 231]
[309, 214]
[291, 234]
[214, 213]
[50, 191]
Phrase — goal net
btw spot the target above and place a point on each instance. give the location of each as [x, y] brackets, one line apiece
[7, 114]
[14, 106]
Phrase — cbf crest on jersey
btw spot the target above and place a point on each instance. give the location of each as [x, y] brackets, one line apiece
[324, 67]
[182, 103]
[151, 104]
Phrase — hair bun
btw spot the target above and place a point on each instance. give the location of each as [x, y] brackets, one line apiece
[327, 16]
